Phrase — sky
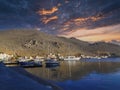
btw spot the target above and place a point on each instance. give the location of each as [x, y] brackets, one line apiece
[88, 20]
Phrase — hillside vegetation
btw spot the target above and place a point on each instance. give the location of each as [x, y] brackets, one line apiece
[32, 43]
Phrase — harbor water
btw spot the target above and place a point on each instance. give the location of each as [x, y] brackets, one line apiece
[88, 74]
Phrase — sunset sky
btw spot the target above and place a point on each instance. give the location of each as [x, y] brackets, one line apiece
[107, 33]
[88, 20]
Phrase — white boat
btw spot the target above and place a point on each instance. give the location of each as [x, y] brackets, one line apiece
[72, 58]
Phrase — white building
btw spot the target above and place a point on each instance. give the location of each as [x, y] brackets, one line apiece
[4, 56]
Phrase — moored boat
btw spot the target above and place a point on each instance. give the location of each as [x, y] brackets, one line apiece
[52, 62]
[38, 62]
[30, 63]
[26, 63]
[72, 58]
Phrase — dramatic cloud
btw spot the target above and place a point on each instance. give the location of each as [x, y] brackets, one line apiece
[81, 21]
[87, 18]
[46, 20]
[48, 12]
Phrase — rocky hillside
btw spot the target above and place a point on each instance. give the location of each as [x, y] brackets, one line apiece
[32, 42]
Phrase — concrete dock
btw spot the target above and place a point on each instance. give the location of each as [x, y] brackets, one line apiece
[12, 80]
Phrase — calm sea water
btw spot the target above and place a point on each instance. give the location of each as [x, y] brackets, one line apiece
[89, 74]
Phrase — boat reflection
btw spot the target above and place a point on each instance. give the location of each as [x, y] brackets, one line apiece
[74, 70]
[52, 66]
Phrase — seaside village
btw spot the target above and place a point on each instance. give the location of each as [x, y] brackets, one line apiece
[51, 59]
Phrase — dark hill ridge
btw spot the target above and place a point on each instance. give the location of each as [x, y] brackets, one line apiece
[32, 42]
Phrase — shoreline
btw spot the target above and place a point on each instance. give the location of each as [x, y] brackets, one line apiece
[42, 81]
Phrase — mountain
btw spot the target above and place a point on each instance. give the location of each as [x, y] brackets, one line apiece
[117, 42]
[33, 42]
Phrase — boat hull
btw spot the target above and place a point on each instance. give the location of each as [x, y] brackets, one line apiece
[71, 59]
[30, 64]
[52, 62]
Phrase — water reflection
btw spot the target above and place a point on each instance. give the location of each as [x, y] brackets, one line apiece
[74, 70]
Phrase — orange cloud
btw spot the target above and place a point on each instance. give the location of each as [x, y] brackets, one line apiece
[46, 20]
[93, 18]
[64, 28]
[47, 12]
[96, 18]
[80, 20]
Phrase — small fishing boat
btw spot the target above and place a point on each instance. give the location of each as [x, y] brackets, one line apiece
[38, 62]
[30, 63]
[26, 63]
[52, 62]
